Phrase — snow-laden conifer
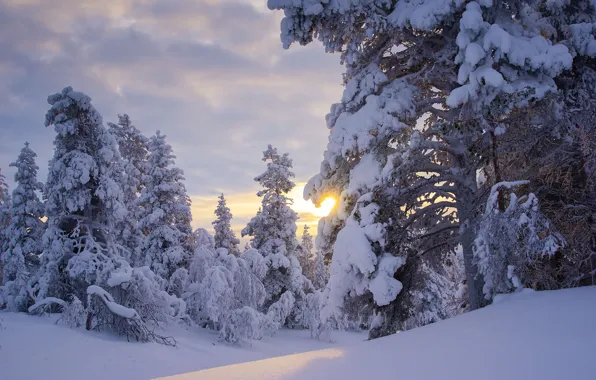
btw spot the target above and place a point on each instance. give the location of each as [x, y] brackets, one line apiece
[224, 235]
[273, 234]
[164, 216]
[21, 258]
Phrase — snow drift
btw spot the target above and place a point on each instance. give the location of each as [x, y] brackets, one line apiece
[525, 336]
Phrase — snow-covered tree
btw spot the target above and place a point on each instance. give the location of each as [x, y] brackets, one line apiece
[132, 145]
[430, 87]
[225, 292]
[164, 216]
[509, 240]
[4, 220]
[321, 271]
[305, 254]
[24, 232]
[273, 232]
[224, 235]
[84, 202]
[202, 237]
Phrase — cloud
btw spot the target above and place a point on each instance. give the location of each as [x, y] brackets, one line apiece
[211, 75]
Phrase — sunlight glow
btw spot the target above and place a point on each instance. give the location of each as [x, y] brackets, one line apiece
[325, 208]
[303, 207]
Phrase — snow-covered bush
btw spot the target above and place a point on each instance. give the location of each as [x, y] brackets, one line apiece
[312, 316]
[104, 311]
[141, 289]
[74, 313]
[279, 311]
[242, 324]
[508, 240]
[224, 292]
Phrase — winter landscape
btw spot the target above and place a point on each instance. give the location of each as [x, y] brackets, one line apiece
[448, 233]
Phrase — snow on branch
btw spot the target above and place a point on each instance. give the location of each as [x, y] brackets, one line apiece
[127, 322]
[46, 302]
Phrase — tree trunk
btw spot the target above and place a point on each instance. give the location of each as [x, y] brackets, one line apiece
[465, 200]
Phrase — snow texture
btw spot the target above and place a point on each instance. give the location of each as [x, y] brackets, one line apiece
[539, 335]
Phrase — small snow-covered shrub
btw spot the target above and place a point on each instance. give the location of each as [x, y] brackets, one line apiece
[141, 289]
[74, 313]
[224, 292]
[508, 240]
[312, 316]
[279, 311]
[242, 324]
[103, 310]
[178, 282]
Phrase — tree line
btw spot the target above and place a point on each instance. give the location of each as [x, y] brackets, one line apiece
[107, 239]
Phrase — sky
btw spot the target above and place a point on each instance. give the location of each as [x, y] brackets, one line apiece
[211, 75]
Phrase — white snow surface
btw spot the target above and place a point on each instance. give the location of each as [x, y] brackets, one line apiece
[35, 348]
[525, 336]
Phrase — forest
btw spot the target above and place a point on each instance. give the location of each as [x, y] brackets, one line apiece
[462, 156]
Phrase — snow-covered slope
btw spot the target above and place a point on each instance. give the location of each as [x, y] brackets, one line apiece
[35, 348]
[527, 336]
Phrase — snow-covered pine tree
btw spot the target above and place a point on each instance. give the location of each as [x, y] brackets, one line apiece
[21, 258]
[4, 219]
[164, 216]
[465, 67]
[132, 145]
[224, 235]
[80, 261]
[321, 271]
[84, 202]
[273, 233]
[305, 254]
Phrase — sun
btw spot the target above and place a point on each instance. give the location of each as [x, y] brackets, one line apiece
[302, 206]
[325, 208]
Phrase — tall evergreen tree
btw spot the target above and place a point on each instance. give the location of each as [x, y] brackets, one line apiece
[4, 218]
[133, 148]
[24, 232]
[321, 271]
[224, 236]
[164, 214]
[84, 201]
[305, 254]
[428, 90]
[273, 231]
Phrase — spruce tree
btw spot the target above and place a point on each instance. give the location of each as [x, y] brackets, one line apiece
[84, 201]
[273, 233]
[21, 258]
[305, 254]
[224, 236]
[321, 272]
[132, 145]
[164, 216]
[4, 218]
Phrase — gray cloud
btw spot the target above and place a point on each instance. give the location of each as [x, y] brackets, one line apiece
[211, 76]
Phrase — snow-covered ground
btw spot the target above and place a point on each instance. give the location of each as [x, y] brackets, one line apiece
[527, 336]
[35, 348]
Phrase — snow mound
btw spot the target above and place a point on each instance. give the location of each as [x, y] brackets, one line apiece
[527, 336]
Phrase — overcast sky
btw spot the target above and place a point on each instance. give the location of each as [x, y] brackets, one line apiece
[211, 75]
